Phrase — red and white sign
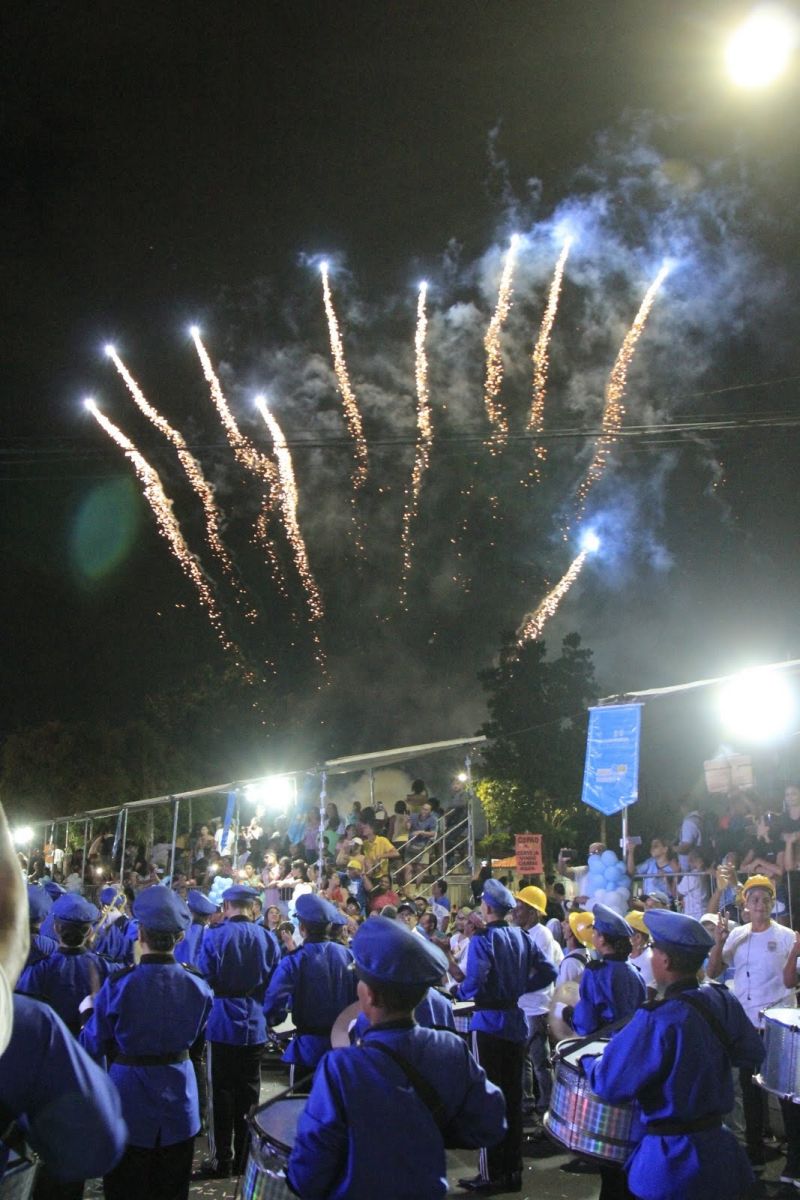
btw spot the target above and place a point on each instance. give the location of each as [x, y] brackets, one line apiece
[528, 848]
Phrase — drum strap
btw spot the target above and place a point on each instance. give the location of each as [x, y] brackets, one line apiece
[708, 1016]
[425, 1090]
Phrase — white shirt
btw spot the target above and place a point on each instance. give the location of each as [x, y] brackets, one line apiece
[694, 891]
[228, 847]
[691, 834]
[534, 1004]
[571, 967]
[758, 960]
[6, 1011]
[644, 965]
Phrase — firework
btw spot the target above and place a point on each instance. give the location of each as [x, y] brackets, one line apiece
[541, 361]
[169, 528]
[614, 410]
[422, 454]
[288, 505]
[533, 622]
[200, 485]
[352, 414]
[249, 457]
[494, 359]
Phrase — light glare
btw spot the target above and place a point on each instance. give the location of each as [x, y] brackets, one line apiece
[590, 541]
[275, 792]
[758, 706]
[760, 49]
[23, 836]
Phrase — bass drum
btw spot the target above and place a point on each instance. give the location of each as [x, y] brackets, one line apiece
[565, 994]
[580, 1120]
[780, 1071]
[273, 1127]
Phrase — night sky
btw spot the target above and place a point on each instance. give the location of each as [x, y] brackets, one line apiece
[171, 163]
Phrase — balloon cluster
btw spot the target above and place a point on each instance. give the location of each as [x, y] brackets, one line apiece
[608, 882]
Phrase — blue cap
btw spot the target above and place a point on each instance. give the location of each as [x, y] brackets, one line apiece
[496, 895]
[39, 903]
[389, 952]
[198, 903]
[53, 889]
[161, 910]
[339, 917]
[610, 923]
[72, 907]
[661, 897]
[111, 894]
[677, 931]
[315, 909]
[239, 892]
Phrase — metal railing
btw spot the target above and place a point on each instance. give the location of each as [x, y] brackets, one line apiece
[449, 850]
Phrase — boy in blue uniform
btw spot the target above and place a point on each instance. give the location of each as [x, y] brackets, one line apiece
[237, 958]
[201, 909]
[502, 965]
[71, 972]
[144, 1021]
[109, 937]
[39, 905]
[381, 1112]
[675, 1058]
[317, 980]
[610, 988]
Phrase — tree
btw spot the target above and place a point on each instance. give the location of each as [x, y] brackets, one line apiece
[537, 730]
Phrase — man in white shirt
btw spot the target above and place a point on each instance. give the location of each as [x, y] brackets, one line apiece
[761, 954]
[531, 907]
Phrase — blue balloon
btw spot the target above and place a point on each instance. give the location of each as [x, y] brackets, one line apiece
[608, 858]
[595, 864]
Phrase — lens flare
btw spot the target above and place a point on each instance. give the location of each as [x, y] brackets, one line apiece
[250, 458]
[169, 528]
[287, 493]
[494, 358]
[533, 622]
[614, 410]
[352, 413]
[422, 456]
[541, 355]
[200, 485]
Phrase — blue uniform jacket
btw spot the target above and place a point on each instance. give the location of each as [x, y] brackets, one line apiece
[434, 1011]
[671, 1061]
[365, 1131]
[69, 1108]
[64, 979]
[48, 927]
[155, 1008]
[113, 942]
[40, 947]
[502, 964]
[609, 991]
[318, 981]
[188, 947]
[238, 958]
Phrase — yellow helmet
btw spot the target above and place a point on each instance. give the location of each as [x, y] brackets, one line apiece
[534, 897]
[636, 921]
[759, 881]
[582, 924]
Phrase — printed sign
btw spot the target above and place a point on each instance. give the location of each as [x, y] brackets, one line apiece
[528, 849]
[611, 773]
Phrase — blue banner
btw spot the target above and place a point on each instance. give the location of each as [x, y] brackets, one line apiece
[230, 809]
[611, 773]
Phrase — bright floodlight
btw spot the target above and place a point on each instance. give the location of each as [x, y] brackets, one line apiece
[462, 777]
[760, 49]
[194, 330]
[758, 706]
[275, 792]
[23, 836]
[590, 542]
[109, 350]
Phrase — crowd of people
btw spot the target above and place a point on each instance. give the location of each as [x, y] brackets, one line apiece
[158, 992]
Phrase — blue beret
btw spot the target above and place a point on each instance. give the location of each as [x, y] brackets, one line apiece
[39, 903]
[53, 889]
[161, 910]
[111, 894]
[238, 891]
[72, 907]
[610, 923]
[676, 930]
[496, 895]
[315, 909]
[198, 903]
[339, 918]
[389, 952]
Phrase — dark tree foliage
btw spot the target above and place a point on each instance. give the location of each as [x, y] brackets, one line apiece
[537, 730]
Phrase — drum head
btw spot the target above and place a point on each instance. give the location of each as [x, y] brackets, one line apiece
[781, 1015]
[340, 1034]
[277, 1120]
[566, 993]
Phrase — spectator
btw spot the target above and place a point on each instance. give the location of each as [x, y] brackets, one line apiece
[378, 851]
[657, 871]
[577, 932]
[641, 955]
[691, 834]
[694, 888]
[761, 852]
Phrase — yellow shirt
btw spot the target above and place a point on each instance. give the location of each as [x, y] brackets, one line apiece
[377, 853]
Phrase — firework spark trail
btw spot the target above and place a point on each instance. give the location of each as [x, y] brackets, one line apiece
[541, 354]
[614, 410]
[352, 413]
[191, 466]
[288, 504]
[494, 359]
[169, 528]
[249, 457]
[422, 455]
[533, 622]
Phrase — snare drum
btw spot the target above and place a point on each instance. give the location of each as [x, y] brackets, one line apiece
[462, 1014]
[272, 1132]
[580, 1120]
[780, 1070]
